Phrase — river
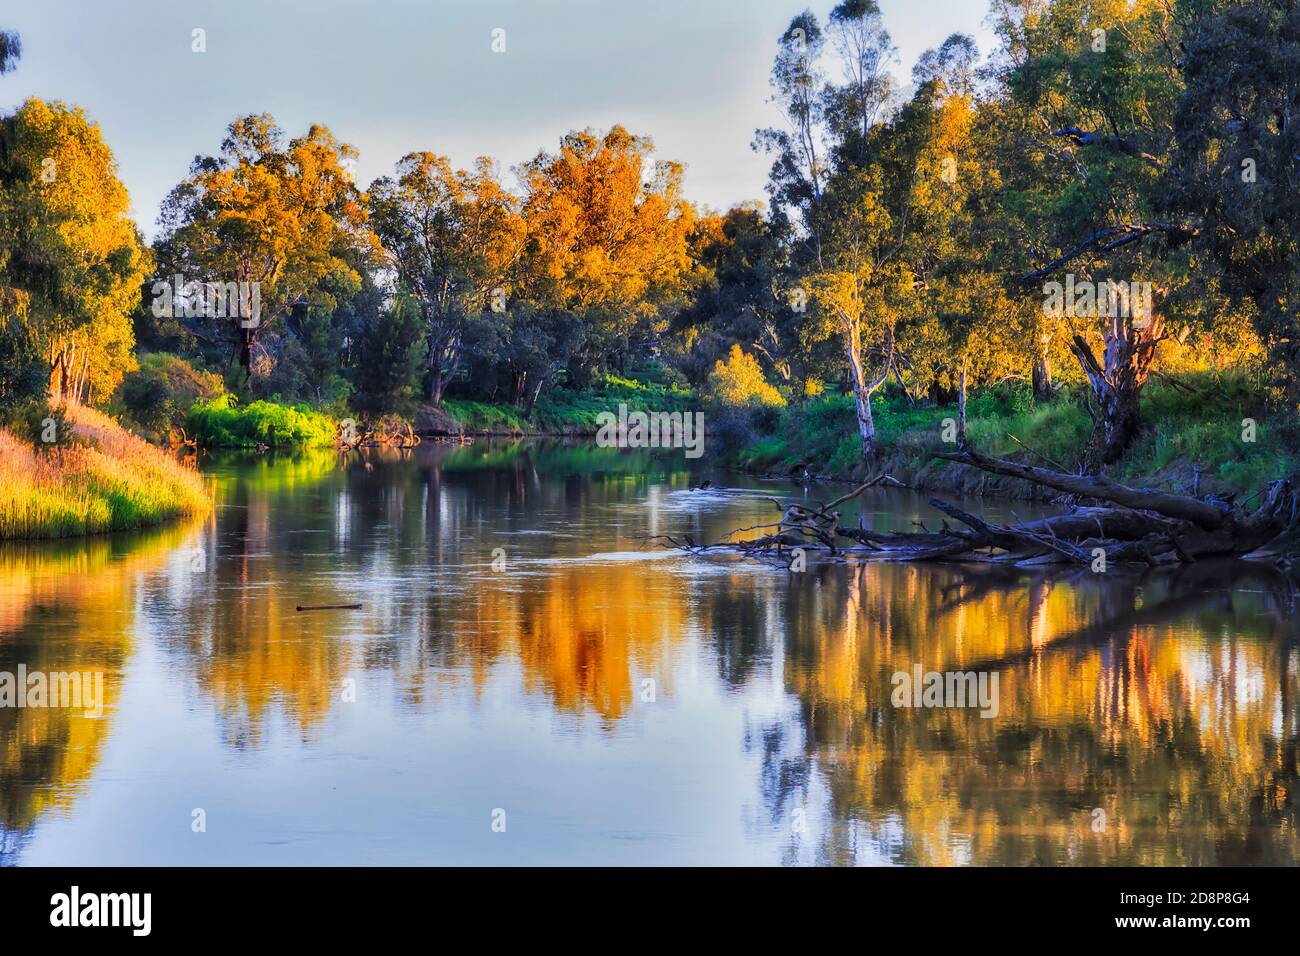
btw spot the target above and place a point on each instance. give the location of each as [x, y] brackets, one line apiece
[532, 681]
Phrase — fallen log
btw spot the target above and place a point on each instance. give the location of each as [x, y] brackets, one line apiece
[1180, 507]
[1138, 526]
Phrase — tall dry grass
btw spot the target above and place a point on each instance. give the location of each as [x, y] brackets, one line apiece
[106, 480]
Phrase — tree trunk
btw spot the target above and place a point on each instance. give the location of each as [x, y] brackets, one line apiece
[1117, 382]
[434, 387]
[246, 353]
[861, 394]
[961, 405]
[1041, 372]
[61, 374]
[1042, 375]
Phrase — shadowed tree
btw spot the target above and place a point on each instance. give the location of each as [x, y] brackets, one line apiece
[1237, 164]
[454, 240]
[11, 48]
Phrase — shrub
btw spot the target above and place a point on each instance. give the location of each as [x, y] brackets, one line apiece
[739, 382]
[158, 395]
[729, 431]
[219, 423]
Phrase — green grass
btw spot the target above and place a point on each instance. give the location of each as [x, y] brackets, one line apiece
[487, 417]
[1207, 427]
[567, 411]
[1181, 429]
[102, 479]
[219, 423]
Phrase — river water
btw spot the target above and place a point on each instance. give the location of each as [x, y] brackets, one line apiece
[532, 681]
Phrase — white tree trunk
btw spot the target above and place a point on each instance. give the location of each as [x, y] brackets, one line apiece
[861, 393]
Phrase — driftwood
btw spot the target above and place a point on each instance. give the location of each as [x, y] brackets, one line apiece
[1126, 525]
[388, 432]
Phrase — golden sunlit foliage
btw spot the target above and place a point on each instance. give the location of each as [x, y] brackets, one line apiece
[70, 255]
[105, 479]
[739, 381]
[603, 229]
[285, 216]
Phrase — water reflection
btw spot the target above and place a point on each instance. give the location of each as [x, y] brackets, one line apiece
[521, 644]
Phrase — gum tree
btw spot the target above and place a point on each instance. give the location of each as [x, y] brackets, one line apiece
[1094, 83]
[1237, 164]
[453, 239]
[607, 232]
[285, 216]
[71, 259]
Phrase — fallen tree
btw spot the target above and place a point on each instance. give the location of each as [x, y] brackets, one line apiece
[1108, 523]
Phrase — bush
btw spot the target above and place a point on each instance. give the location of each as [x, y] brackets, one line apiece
[218, 423]
[739, 382]
[24, 371]
[39, 423]
[730, 430]
[158, 395]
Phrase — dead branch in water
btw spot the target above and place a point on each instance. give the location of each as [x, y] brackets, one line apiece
[1128, 526]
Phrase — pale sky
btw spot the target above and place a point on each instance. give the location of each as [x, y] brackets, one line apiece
[392, 76]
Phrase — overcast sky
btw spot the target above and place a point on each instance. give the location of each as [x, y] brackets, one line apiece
[391, 76]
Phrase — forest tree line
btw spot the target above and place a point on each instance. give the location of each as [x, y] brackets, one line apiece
[911, 241]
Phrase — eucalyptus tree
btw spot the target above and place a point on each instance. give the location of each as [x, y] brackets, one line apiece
[841, 185]
[743, 294]
[607, 229]
[453, 239]
[11, 48]
[1236, 170]
[799, 151]
[71, 258]
[1095, 83]
[281, 222]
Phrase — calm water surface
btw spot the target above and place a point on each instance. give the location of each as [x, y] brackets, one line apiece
[612, 702]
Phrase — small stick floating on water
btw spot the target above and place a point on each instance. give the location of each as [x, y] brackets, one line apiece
[329, 607]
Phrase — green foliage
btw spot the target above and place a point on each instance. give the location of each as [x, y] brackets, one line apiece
[1204, 427]
[23, 370]
[1195, 425]
[38, 423]
[390, 353]
[572, 411]
[158, 395]
[485, 417]
[218, 423]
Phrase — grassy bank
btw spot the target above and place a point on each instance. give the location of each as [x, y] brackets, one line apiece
[563, 411]
[1184, 430]
[98, 477]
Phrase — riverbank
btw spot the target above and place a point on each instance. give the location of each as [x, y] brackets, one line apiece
[560, 413]
[1198, 437]
[1209, 435]
[94, 477]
